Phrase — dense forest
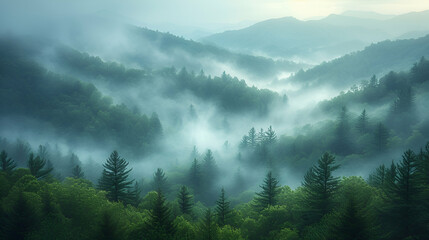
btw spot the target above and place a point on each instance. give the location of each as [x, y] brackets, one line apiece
[390, 204]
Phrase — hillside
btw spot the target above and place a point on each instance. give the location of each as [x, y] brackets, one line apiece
[376, 59]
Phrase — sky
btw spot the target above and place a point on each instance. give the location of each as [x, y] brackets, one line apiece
[195, 15]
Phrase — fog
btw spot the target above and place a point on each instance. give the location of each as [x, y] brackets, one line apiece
[180, 82]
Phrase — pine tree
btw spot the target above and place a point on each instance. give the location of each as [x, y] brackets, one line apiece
[342, 142]
[381, 134]
[320, 186]
[134, 194]
[77, 172]
[195, 176]
[260, 139]
[223, 210]
[184, 199]
[208, 230]
[37, 167]
[160, 225]
[362, 124]
[114, 179]
[252, 138]
[270, 136]
[352, 225]
[377, 179]
[160, 180]
[7, 164]
[270, 190]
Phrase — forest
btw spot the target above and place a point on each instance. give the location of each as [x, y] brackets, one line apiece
[226, 120]
[391, 204]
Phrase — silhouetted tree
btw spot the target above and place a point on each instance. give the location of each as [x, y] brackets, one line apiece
[7, 164]
[37, 167]
[268, 195]
[270, 136]
[381, 134]
[184, 199]
[195, 175]
[342, 142]
[362, 124]
[77, 172]
[223, 210]
[134, 194]
[114, 179]
[160, 180]
[377, 179]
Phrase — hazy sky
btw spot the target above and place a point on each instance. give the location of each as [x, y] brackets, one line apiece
[203, 14]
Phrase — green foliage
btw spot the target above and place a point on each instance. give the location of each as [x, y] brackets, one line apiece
[320, 186]
[7, 164]
[77, 172]
[270, 189]
[114, 179]
[37, 167]
[160, 224]
[222, 209]
[208, 229]
[185, 200]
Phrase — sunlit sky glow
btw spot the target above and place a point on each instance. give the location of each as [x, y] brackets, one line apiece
[202, 14]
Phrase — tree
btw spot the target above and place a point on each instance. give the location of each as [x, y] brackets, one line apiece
[208, 230]
[160, 225]
[362, 124]
[77, 172]
[134, 194]
[252, 138]
[342, 142]
[381, 134]
[195, 175]
[319, 186]
[223, 210]
[114, 179]
[377, 179]
[7, 164]
[261, 137]
[184, 199]
[270, 136]
[160, 180]
[270, 190]
[37, 167]
[352, 224]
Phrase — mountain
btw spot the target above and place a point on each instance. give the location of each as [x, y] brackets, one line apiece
[375, 59]
[317, 40]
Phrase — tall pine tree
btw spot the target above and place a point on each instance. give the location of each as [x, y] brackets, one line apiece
[160, 225]
[270, 190]
[223, 210]
[184, 199]
[114, 179]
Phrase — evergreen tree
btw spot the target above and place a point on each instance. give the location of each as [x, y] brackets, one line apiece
[260, 139]
[223, 210]
[77, 172]
[362, 124]
[342, 142]
[208, 230]
[7, 164]
[270, 190]
[320, 186]
[381, 134]
[352, 225]
[195, 176]
[134, 194]
[252, 138]
[160, 225]
[114, 179]
[37, 167]
[423, 165]
[377, 179]
[160, 180]
[270, 136]
[184, 199]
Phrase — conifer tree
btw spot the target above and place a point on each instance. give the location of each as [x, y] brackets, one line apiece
[114, 179]
[134, 194]
[7, 164]
[342, 142]
[223, 210]
[362, 124]
[195, 176]
[378, 178]
[108, 228]
[270, 136]
[260, 139]
[270, 190]
[160, 225]
[160, 180]
[252, 138]
[320, 185]
[184, 199]
[208, 230]
[381, 134]
[37, 167]
[77, 172]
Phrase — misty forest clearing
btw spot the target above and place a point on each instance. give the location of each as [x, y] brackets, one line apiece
[127, 122]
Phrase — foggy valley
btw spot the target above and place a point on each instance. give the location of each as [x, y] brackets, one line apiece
[120, 124]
